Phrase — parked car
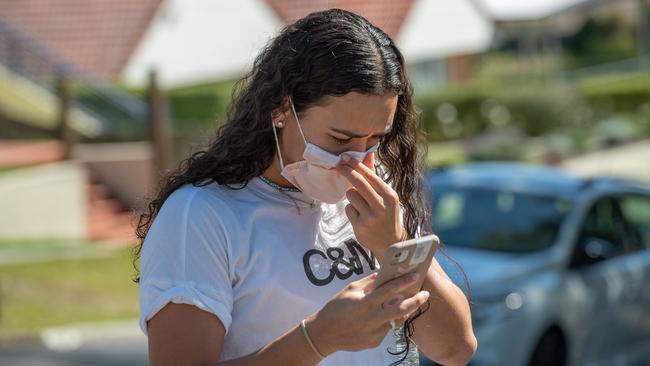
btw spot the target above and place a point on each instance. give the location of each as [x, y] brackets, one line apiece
[558, 266]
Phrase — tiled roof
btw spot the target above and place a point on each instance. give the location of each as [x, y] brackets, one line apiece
[101, 35]
[97, 35]
[389, 15]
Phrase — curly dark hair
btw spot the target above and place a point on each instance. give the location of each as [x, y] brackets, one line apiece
[326, 53]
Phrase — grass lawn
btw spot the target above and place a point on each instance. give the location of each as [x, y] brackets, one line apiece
[4, 169]
[57, 292]
[445, 153]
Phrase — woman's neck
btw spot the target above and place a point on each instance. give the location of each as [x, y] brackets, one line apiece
[272, 173]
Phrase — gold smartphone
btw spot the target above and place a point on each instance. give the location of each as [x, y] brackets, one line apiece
[413, 255]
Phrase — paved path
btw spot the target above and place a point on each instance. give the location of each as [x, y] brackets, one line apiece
[14, 254]
[101, 344]
[631, 160]
[29, 152]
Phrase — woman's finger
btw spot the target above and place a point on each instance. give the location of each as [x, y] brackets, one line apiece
[374, 200]
[406, 307]
[366, 282]
[400, 321]
[352, 213]
[393, 301]
[385, 327]
[404, 318]
[378, 184]
[369, 161]
[392, 288]
[358, 201]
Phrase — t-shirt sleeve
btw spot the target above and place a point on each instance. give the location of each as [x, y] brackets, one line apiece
[185, 257]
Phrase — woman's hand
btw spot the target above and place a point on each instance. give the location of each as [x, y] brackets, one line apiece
[358, 317]
[374, 207]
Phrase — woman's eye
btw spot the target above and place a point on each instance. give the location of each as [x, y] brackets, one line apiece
[340, 141]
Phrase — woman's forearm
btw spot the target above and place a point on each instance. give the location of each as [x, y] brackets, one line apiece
[289, 349]
[444, 332]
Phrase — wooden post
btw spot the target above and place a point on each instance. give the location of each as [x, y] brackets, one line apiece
[159, 127]
[65, 133]
[1, 301]
[643, 32]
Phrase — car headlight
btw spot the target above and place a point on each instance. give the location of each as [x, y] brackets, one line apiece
[495, 309]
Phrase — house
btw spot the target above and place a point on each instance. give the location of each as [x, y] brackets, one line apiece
[541, 27]
[199, 41]
[187, 42]
[96, 36]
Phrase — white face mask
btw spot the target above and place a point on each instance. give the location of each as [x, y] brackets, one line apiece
[317, 175]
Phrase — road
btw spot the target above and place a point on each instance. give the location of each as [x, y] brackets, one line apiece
[108, 344]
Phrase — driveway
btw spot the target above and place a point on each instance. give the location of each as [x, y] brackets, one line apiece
[101, 344]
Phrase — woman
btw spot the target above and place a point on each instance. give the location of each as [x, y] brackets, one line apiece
[262, 249]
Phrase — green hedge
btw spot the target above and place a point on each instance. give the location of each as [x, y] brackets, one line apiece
[625, 93]
[462, 113]
[536, 109]
[203, 102]
[531, 107]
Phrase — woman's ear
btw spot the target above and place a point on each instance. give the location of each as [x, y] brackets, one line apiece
[280, 114]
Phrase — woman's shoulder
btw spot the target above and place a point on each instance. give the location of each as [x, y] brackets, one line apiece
[195, 200]
[193, 215]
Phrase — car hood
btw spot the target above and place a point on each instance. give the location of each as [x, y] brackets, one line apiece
[488, 267]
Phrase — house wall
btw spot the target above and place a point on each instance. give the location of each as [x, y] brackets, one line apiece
[47, 200]
[194, 41]
[435, 30]
[437, 39]
[460, 69]
[126, 168]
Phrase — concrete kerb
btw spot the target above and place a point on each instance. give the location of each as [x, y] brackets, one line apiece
[68, 338]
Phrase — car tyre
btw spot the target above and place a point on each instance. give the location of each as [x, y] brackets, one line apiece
[550, 350]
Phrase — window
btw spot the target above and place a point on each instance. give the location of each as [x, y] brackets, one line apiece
[606, 221]
[497, 220]
[636, 210]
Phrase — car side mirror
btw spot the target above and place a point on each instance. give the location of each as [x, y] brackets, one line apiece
[592, 250]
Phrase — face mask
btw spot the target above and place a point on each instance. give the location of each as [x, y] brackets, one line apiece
[317, 176]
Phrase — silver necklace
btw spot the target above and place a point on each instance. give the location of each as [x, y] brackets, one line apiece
[277, 186]
[284, 191]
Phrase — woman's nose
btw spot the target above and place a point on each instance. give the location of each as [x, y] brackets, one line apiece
[361, 145]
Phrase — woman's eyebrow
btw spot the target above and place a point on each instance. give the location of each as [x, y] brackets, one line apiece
[355, 134]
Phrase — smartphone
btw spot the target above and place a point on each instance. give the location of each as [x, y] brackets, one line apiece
[408, 256]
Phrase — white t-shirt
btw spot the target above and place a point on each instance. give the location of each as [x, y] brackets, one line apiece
[247, 256]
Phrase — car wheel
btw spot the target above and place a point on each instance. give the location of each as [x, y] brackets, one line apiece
[550, 350]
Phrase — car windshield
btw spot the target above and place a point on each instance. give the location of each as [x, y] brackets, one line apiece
[496, 220]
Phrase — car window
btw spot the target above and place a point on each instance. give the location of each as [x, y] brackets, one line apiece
[496, 219]
[636, 210]
[605, 221]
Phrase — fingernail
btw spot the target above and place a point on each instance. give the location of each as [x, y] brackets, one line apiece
[414, 277]
[425, 294]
